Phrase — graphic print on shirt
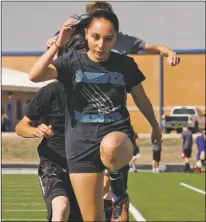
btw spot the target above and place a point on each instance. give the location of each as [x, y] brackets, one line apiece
[92, 92]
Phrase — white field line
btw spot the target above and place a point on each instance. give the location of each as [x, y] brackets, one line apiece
[193, 188]
[135, 213]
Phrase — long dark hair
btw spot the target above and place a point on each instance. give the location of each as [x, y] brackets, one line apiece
[98, 5]
[78, 41]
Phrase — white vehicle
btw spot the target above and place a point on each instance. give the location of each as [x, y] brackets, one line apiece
[183, 115]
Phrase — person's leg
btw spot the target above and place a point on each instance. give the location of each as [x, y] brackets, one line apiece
[75, 213]
[116, 152]
[202, 160]
[120, 203]
[132, 164]
[107, 197]
[158, 158]
[106, 184]
[60, 208]
[119, 182]
[133, 161]
[88, 188]
[187, 153]
[154, 162]
[202, 155]
[54, 192]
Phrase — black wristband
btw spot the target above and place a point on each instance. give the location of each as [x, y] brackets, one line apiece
[56, 45]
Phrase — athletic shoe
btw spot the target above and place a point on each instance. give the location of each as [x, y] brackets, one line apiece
[120, 209]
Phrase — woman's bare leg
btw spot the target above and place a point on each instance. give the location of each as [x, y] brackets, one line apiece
[89, 190]
[116, 151]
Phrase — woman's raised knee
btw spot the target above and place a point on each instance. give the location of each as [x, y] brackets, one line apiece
[116, 150]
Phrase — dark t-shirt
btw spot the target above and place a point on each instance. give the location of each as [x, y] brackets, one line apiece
[96, 98]
[187, 139]
[49, 105]
[127, 44]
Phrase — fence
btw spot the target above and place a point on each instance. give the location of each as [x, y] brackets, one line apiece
[16, 149]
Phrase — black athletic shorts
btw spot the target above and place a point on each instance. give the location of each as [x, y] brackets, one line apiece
[188, 152]
[55, 182]
[83, 145]
[89, 164]
[157, 155]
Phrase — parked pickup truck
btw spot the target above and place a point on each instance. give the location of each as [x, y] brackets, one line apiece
[183, 115]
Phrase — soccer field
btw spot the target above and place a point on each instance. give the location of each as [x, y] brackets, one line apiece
[158, 197]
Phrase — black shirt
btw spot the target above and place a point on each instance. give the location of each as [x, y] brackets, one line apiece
[49, 105]
[96, 98]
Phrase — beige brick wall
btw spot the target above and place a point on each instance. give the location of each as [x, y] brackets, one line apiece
[183, 84]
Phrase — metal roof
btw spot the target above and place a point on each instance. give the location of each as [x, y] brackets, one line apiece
[13, 80]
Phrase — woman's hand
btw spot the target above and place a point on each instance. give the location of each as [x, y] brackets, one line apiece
[156, 136]
[51, 41]
[65, 33]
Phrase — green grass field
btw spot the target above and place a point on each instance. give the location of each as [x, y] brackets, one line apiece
[158, 197]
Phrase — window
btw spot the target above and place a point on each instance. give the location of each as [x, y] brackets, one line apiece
[184, 111]
[19, 110]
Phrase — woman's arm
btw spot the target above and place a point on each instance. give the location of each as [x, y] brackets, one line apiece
[42, 70]
[143, 103]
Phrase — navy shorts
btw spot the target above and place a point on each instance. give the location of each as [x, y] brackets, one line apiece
[83, 145]
[157, 155]
[89, 164]
[188, 153]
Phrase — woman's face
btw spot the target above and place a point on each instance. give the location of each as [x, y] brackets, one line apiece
[101, 37]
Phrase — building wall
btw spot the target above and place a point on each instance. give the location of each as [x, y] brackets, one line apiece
[21, 63]
[183, 84]
[17, 96]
